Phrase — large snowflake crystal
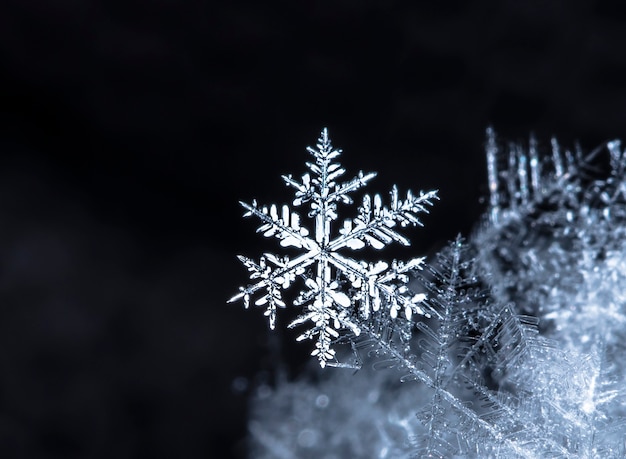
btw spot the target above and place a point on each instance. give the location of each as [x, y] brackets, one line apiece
[340, 293]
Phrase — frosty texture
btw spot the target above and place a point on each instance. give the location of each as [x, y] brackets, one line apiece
[517, 348]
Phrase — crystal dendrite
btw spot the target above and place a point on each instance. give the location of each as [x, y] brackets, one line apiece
[340, 292]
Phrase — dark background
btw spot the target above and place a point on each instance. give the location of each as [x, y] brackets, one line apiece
[129, 131]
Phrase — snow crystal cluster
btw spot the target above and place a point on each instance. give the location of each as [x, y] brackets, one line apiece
[509, 343]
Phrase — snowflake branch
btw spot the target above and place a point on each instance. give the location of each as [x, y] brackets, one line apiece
[278, 227]
[377, 231]
[470, 416]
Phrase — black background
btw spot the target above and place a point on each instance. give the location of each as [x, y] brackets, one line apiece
[129, 131]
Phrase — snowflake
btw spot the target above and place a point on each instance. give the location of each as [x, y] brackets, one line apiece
[372, 287]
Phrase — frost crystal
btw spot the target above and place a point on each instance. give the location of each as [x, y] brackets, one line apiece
[327, 273]
[518, 351]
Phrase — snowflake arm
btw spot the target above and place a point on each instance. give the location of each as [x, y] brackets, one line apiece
[374, 284]
[273, 280]
[373, 225]
[286, 228]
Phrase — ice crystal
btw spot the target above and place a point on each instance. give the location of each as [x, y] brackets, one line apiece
[443, 379]
[324, 270]
[560, 257]
[516, 350]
